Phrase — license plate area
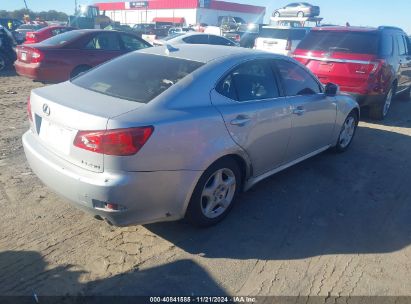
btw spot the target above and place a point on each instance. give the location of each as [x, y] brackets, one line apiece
[23, 56]
[56, 136]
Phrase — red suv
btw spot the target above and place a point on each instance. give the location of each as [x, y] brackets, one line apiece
[373, 64]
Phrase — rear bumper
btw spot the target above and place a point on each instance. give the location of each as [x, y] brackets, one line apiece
[147, 197]
[38, 72]
[366, 100]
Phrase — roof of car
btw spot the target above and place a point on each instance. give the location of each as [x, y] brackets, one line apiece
[345, 29]
[199, 52]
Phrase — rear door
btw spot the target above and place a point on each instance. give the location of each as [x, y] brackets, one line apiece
[102, 47]
[256, 116]
[313, 113]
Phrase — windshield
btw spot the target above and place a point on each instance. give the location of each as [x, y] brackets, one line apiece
[285, 34]
[63, 38]
[345, 42]
[132, 76]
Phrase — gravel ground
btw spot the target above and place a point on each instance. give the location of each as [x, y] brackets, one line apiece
[335, 225]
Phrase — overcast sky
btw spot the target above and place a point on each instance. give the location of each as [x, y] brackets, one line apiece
[356, 12]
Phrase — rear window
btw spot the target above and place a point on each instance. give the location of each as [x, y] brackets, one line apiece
[62, 38]
[345, 42]
[284, 34]
[133, 77]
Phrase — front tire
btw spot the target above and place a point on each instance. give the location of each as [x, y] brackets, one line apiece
[300, 15]
[347, 133]
[277, 14]
[380, 110]
[214, 194]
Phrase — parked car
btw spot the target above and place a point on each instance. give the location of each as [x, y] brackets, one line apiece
[211, 122]
[179, 30]
[229, 23]
[45, 33]
[280, 39]
[66, 55]
[23, 29]
[245, 35]
[15, 23]
[195, 38]
[7, 46]
[151, 29]
[372, 64]
[298, 9]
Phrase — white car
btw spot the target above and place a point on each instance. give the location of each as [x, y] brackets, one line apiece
[281, 40]
[195, 38]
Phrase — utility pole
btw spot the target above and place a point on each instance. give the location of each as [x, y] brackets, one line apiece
[25, 3]
[75, 7]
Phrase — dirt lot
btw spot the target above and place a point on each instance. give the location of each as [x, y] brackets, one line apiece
[334, 225]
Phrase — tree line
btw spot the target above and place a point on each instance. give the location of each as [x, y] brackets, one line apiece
[50, 15]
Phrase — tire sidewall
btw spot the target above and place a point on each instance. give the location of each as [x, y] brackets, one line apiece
[6, 62]
[194, 213]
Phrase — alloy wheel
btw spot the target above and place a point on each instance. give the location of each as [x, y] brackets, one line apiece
[218, 193]
[387, 103]
[347, 132]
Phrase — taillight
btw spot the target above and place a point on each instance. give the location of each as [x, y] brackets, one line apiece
[377, 65]
[36, 56]
[29, 114]
[118, 142]
[289, 45]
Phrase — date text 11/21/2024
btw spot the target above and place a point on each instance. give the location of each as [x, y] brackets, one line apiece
[194, 299]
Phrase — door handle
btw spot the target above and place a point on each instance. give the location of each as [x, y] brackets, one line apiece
[299, 111]
[241, 120]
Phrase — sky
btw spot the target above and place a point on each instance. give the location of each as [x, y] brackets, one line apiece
[356, 12]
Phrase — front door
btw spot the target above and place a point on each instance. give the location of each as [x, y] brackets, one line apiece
[257, 118]
[313, 113]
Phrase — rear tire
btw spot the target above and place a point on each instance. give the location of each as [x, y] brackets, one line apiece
[276, 14]
[380, 110]
[214, 194]
[300, 15]
[78, 70]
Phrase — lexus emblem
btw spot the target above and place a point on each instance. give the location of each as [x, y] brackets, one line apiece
[46, 109]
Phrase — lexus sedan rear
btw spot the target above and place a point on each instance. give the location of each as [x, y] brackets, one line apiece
[135, 144]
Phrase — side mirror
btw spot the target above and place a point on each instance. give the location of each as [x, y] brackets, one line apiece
[332, 89]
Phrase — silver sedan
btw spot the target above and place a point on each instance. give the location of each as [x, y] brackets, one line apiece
[167, 133]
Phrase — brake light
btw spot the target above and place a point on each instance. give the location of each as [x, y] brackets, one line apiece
[377, 65]
[119, 142]
[289, 45]
[29, 114]
[36, 56]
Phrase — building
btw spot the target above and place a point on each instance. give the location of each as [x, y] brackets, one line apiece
[184, 12]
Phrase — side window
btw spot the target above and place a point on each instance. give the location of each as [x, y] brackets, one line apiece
[104, 41]
[253, 80]
[197, 39]
[386, 47]
[401, 45]
[296, 80]
[131, 43]
[216, 40]
[408, 43]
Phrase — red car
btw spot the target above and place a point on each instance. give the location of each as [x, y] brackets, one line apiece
[372, 64]
[45, 33]
[64, 56]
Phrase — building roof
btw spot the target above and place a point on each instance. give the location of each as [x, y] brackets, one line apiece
[180, 4]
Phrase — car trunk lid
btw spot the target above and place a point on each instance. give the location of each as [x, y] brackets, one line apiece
[59, 112]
